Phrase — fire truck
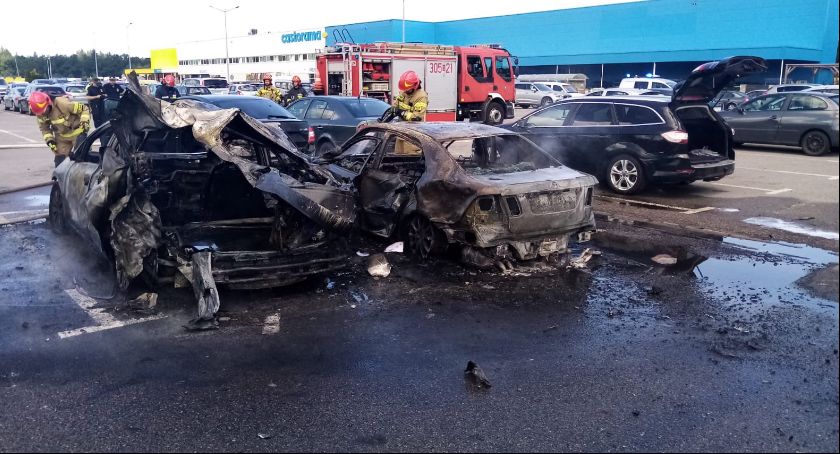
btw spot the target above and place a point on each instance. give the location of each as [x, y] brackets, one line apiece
[469, 82]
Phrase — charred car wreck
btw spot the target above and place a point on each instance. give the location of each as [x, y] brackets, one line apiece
[493, 193]
[195, 195]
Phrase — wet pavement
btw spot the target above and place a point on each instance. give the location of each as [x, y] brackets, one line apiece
[725, 350]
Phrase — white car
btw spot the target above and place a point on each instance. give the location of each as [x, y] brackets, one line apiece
[829, 89]
[664, 86]
[567, 90]
[77, 93]
[535, 94]
[623, 92]
[246, 89]
[784, 88]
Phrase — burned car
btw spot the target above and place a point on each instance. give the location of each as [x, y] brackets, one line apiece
[492, 192]
[191, 194]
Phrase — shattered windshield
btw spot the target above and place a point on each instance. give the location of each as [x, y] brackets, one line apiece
[506, 153]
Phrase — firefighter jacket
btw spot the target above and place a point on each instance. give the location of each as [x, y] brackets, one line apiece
[167, 93]
[293, 95]
[64, 122]
[412, 107]
[271, 93]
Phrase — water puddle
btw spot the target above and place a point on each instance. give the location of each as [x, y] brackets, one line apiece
[792, 227]
[767, 275]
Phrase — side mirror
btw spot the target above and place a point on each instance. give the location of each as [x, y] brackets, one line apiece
[534, 90]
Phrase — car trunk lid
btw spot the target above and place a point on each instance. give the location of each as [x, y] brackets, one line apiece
[708, 79]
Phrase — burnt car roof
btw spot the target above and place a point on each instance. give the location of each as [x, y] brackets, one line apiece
[443, 131]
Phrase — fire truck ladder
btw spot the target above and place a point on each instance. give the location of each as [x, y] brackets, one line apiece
[348, 55]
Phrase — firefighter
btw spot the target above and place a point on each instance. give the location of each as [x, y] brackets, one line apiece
[167, 90]
[269, 91]
[61, 121]
[412, 101]
[296, 92]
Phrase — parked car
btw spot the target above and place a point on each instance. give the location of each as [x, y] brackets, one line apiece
[728, 100]
[184, 90]
[535, 94]
[11, 101]
[784, 88]
[286, 85]
[244, 89]
[224, 202]
[807, 120]
[4, 87]
[268, 112]
[565, 89]
[622, 92]
[77, 93]
[216, 85]
[828, 89]
[335, 118]
[631, 141]
[52, 90]
[44, 82]
[495, 195]
[664, 86]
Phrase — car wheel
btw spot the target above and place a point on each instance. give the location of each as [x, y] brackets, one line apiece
[57, 216]
[20, 109]
[423, 239]
[815, 143]
[324, 147]
[730, 106]
[495, 114]
[625, 175]
[5, 106]
[545, 101]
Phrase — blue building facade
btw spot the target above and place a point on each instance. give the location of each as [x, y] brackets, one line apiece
[670, 37]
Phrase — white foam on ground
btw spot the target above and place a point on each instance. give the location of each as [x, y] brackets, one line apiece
[792, 227]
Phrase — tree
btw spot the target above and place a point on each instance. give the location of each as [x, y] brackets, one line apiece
[79, 64]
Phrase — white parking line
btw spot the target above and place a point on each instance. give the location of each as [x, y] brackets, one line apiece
[271, 325]
[23, 145]
[766, 191]
[805, 174]
[18, 136]
[104, 320]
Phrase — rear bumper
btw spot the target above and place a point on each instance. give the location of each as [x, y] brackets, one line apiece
[709, 171]
[509, 110]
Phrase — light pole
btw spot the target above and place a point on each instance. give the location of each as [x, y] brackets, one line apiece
[128, 42]
[95, 60]
[17, 70]
[227, 55]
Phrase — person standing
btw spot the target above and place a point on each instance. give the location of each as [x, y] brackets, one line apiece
[114, 93]
[96, 101]
[412, 101]
[296, 92]
[269, 91]
[167, 91]
[62, 122]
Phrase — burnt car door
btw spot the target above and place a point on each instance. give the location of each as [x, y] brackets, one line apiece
[387, 183]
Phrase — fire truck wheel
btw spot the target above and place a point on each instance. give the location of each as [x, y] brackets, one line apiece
[494, 113]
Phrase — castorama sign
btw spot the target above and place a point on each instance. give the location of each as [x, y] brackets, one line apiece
[302, 37]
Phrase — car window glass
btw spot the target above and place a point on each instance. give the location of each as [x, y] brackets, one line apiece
[640, 84]
[297, 109]
[765, 103]
[807, 103]
[488, 67]
[522, 87]
[635, 115]
[595, 114]
[553, 116]
[503, 68]
[659, 85]
[316, 110]
[355, 156]
[474, 67]
[329, 113]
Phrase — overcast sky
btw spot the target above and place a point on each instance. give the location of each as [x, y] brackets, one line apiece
[165, 24]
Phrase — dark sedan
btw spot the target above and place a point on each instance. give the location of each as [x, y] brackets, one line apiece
[266, 111]
[335, 118]
[52, 90]
[808, 120]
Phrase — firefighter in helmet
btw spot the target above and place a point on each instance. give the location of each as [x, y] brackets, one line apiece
[167, 90]
[61, 121]
[412, 101]
[296, 92]
[269, 91]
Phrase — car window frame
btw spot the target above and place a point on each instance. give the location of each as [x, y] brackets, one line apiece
[570, 106]
[308, 102]
[376, 149]
[506, 77]
[613, 120]
[796, 95]
[309, 109]
[618, 123]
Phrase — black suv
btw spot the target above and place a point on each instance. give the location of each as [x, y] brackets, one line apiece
[628, 142]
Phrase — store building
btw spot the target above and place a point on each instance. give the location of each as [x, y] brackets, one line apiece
[666, 38]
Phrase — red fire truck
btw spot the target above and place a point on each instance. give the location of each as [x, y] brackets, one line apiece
[472, 82]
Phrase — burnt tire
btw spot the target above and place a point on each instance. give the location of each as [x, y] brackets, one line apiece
[494, 114]
[545, 101]
[422, 239]
[625, 175]
[57, 214]
[815, 143]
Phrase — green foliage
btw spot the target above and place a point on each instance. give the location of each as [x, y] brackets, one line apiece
[79, 64]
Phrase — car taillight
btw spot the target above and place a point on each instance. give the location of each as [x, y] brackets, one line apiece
[238, 92]
[676, 136]
[311, 138]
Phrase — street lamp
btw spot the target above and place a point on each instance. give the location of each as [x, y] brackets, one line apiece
[128, 43]
[227, 55]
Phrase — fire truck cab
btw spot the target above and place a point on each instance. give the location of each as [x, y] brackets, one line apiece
[469, 82]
